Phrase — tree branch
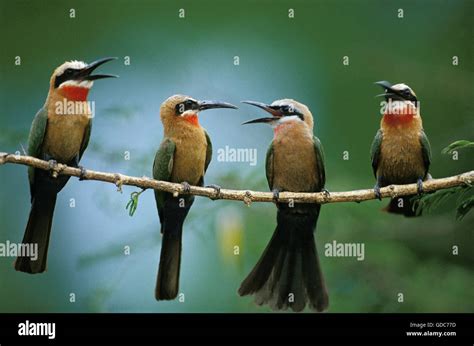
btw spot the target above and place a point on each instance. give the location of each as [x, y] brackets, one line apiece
[246, 196]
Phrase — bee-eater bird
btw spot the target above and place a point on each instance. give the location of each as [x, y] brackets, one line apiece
[401, 152]
[288, 273]
[58, 134]
[183, 157]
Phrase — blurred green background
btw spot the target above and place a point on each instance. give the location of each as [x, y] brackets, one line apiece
[301, 58]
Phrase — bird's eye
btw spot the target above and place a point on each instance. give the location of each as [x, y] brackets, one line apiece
[180, 108]
[184, 106]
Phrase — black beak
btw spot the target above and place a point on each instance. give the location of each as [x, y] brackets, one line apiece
[85, 73]
[276, 111]
[260, 120]
[204, 105]
[272, 110]
[384, 84]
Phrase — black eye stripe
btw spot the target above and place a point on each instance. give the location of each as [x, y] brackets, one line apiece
[67, 74]
[185, 106]
[289, 110]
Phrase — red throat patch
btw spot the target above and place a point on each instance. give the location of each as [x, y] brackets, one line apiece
[74, 93]
[192, 119]
[277, 129]
[398, 119]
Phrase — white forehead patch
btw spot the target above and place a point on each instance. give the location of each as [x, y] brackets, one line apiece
[283, 103]
[75, 64]
[401, 86]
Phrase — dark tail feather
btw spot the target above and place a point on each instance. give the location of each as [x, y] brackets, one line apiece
[38, 231]
[402, 205]
[167, 284]
[288, 274]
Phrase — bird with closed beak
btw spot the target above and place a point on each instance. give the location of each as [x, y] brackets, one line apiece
[288, 274]
[400, 152]
[183, 157]
[58, 134]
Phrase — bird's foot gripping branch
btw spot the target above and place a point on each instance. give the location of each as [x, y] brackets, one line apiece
[461, 180]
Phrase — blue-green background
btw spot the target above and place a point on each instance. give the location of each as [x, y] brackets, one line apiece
[279, 57]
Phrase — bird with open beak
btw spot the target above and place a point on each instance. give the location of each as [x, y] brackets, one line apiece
[183, 157]
[56, 135]
[288, 273]
[401, 152]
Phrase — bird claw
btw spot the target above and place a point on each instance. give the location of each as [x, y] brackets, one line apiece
[419, 185]
[276, 195]
[217, 190]
[378, 195]
[82, 176]
[186, 187]
[326, 192]
[53, 164]
[53, 168]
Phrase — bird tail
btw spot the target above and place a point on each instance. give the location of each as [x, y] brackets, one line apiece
[288, 274]
[38, 232]
[402, 205]
[167, 284]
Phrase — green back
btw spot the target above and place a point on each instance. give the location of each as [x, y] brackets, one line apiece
[208, 157]
[162, 168]
[375, 151]
[321, 169]
[425, 150]
[35, 140]
[85, 139]
[269, 166]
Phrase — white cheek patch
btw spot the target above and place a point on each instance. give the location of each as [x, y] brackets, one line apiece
[289, 118]
[78, 84]
[188, 113]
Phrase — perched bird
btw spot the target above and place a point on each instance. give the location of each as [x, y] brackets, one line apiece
[401, 152]
[59, 133]
[183, 157]
[288, 273]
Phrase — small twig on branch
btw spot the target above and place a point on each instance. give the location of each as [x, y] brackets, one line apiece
[246, 196]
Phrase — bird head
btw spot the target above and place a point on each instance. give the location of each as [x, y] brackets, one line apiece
[400, 96]
[182, 108]
[283, 111]
[73, 79]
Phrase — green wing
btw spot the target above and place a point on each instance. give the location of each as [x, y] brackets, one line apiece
[375, 151]
[269, 166]
[318, 147]
[35, 140]
[208, 157]
[162, 168]
[85, 140]
[425, 150]
[208, 151]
